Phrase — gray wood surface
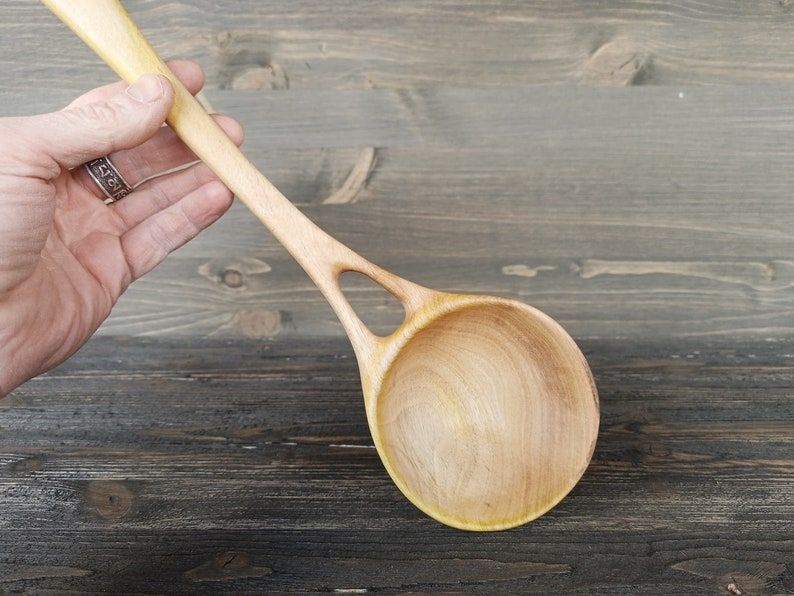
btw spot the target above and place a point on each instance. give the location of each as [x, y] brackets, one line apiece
[242, 467]
[625, 166]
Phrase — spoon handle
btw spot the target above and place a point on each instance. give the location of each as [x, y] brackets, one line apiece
[106, 27]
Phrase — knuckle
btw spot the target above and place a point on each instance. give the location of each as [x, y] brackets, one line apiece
[100, 120]
[100, 115]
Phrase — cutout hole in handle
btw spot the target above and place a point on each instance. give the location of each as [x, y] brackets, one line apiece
[380, 311]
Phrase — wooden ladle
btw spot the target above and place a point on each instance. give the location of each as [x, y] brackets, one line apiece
[482, 409]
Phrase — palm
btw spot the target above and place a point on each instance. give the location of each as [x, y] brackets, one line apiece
[84, 241]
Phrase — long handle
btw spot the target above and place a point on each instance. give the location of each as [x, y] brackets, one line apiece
[105, 26]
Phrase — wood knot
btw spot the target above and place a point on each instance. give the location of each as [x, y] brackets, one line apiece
[258, 324]
[617, 63]
[29, 464]
[231, 273]
[735, 577]
[356, 180]
[245, 62]
[232, 278]
[269, 76]
[733, 588]
[227, 566]
[110, 500]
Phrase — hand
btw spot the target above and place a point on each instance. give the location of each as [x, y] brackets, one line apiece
[66, 256]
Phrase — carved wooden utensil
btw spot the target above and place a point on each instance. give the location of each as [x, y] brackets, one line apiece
[482, 409]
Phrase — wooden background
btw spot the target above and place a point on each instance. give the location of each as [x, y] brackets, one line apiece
[625, 166]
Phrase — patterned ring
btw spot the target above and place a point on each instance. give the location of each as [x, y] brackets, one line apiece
[108, 179]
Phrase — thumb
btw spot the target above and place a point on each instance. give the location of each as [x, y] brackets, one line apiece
[76, 135]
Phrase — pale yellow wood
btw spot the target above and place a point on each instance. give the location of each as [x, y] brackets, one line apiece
[482, 409]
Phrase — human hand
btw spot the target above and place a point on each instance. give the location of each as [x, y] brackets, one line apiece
[65, 255]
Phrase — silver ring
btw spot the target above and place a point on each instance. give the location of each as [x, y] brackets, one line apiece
[108, 178]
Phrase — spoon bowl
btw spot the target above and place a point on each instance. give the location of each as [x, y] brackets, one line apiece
[482, 409]
[486, 416]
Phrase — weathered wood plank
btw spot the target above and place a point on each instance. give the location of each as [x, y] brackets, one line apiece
[619, 212]
[622, 212]
[564, 198]
[417, 42]
[246, 467]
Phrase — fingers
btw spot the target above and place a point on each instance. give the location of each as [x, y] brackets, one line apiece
[159, 194]
[75, 135]
[119, 257]
[163, 152]
[164, 212]
[147, 244]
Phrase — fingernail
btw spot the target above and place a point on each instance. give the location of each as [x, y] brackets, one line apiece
[147, 89]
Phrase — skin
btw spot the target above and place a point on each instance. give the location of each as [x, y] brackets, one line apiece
[65, 256]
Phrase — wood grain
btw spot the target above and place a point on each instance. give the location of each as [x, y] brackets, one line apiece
[178, 467]
[498, 150]
[634, 212]
[421, 42]
[624, 166]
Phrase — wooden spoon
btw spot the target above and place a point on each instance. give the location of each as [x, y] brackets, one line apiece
[482, 409]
